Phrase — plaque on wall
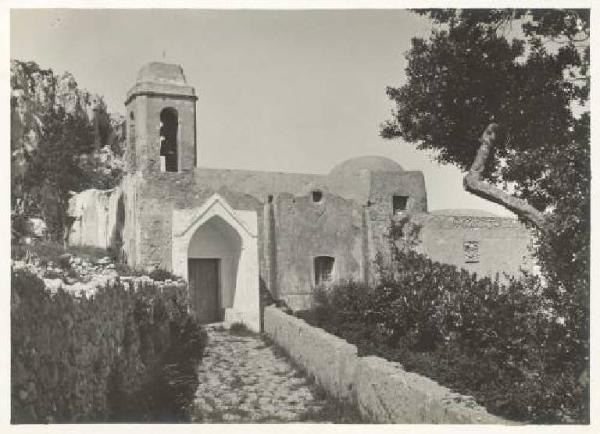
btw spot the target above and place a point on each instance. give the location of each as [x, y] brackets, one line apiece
[471, 249]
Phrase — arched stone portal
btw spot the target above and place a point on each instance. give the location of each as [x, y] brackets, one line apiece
[213, 261]
[215, 248]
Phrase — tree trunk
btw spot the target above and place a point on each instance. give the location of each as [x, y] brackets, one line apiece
[474, 183]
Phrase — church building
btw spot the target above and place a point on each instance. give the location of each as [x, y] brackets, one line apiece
[234, 233]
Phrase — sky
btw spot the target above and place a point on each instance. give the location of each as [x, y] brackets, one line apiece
[290, 91]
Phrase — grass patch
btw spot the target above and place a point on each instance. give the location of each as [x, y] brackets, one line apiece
[49, 252]
[161, 275]
[126, 270]
[278, 352]
[18, 251]
[240, 329]
[89, 253]
[335, 411]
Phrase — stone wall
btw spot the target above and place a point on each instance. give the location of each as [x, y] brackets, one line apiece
[158, 196]
[303, 230]
[385, 185]
[482, 245]
[382, 391]
[259, 184]
[130, 234]
[329, 359]
[379, 212]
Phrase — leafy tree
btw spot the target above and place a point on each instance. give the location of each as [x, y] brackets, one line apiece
[494, 92]
[503, 95]
[53, 170]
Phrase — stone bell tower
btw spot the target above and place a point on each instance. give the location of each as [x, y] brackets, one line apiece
[161, 121]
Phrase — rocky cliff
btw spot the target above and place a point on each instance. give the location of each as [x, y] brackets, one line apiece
[95, 218]
[35, 91]
[38, 94]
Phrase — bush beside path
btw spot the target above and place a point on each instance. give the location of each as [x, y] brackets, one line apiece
[99, 350]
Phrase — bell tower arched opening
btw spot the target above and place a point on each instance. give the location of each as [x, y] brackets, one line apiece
[169, 124]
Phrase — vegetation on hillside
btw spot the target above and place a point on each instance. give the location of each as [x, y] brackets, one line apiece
[62, 141]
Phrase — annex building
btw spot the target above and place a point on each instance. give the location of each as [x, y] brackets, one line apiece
[234, 233]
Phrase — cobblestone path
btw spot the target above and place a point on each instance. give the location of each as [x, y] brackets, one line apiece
[243, 379]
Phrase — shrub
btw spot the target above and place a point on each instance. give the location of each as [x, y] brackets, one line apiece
[52, 252]
[513, 346]
[46, 251]
[121, 355]
[64, 262]
[124, 269]
[18, 251]
[89, 253]
[20, 226]
[239, 329]
[160, 274]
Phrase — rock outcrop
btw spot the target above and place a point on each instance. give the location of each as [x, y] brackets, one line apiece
[95, 218]
[37, 93]
[83, 276]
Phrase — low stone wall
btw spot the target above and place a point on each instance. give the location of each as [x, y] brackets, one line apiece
[382, 391]
[329, 359]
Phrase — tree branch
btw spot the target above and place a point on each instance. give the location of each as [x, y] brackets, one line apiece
[473, 182]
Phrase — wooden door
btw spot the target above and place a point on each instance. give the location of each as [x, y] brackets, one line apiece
[204, 289]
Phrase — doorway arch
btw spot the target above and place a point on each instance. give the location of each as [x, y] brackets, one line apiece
[213, 262]
[215, 238]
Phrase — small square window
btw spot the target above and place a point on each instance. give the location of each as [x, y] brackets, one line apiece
[323, 269]
[399, 204]
[471, 249]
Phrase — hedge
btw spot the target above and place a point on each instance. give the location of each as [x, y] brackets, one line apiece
[118, 356]
[514, 347]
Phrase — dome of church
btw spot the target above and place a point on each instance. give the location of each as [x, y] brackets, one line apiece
[355, 166]
[159, 72]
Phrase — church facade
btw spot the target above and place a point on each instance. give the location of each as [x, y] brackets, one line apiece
[235, 233]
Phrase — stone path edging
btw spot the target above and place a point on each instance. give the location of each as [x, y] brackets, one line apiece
[382, 390]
